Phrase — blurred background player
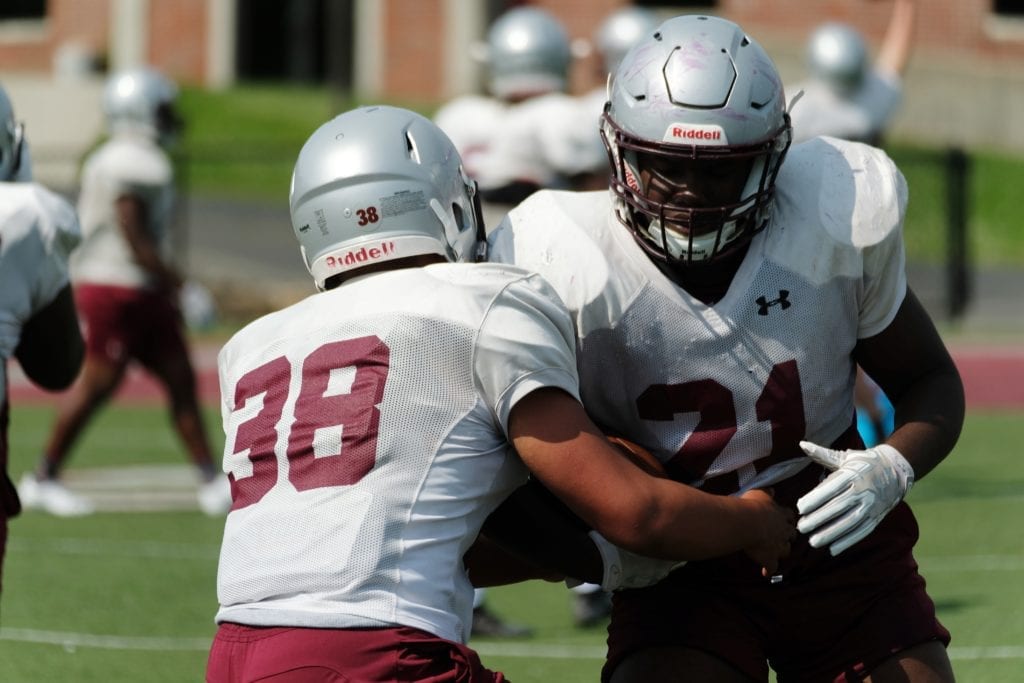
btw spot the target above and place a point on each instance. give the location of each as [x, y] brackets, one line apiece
[368, 431]
[701, 288]
[526, 133]
[850, 96]
[847, 94]
[127, 288]
[38, 322]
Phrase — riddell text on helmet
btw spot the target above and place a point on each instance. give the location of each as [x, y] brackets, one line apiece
[361, 255]
[696, 134]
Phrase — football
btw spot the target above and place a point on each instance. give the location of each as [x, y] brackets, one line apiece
[639, 456]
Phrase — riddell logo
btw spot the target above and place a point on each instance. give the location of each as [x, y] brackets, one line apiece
[695, 134]
[360, 255]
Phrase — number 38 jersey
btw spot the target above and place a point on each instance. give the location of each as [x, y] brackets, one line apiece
[723, 393]
[366, 441]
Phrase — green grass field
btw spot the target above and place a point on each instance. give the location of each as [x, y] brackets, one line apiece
[131, 596]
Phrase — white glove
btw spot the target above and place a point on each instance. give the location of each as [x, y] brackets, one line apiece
[623, 569]
[850, 502]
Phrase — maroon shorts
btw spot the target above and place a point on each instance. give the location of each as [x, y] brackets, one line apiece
[122, 323]
[314, 655]
[827, 619]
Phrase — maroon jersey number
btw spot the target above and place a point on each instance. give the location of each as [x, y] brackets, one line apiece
[353, 412]
[780, 403]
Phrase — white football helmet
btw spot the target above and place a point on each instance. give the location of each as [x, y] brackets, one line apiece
[528, 53]
[380, 183]
[697, 96]
[142, 99]
[11, 139]
[620, 31]
[837, 55]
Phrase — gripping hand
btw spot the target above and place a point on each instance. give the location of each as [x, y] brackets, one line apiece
[623, 569]
[863, 487]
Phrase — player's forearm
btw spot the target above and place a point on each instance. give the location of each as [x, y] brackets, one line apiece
[929, 417]
[693, 525]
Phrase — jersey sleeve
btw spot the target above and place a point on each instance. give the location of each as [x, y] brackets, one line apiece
[59, 234]
[884, 256]
[525, 342]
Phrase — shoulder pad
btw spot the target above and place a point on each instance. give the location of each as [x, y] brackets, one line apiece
[852, 190]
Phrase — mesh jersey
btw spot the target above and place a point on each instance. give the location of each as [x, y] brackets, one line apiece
[366, 438]
[862, 117]
[542, 140]
[127, 164]
[721, 393]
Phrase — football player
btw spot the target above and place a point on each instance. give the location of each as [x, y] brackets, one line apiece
[127, 288]
[368, 428]
[723, 293]
[525, 134]
[38, 323]
[847, 95]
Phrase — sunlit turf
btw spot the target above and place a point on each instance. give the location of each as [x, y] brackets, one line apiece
[131, 597]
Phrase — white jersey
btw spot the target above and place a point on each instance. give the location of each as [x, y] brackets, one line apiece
[472, 122]
[127, 164]
[862, 116]
[38, 230]
[720, 393]
[366, 434]
[543, 140]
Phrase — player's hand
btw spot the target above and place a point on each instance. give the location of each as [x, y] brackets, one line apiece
[624, 569]
[777, 527]
[850, 502]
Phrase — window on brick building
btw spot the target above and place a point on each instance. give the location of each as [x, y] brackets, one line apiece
[22, 9]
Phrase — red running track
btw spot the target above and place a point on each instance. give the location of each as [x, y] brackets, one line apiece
[993, 379]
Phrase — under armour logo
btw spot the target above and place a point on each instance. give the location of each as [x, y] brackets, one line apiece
[764, 304]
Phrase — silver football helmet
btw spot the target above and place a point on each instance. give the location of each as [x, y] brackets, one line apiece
[620, 31]
[380, 183]
[838, 56]
[528, 53]
[142, 99]
[696, 130]
[11, 139]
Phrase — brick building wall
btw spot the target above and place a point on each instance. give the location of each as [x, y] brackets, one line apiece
[178, 38]
[412, 54]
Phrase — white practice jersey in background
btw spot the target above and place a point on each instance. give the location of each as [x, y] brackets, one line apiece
[38, 230]
[127, 164]
[722, 392]
[862, 116]
[366, 437]
[544, 140]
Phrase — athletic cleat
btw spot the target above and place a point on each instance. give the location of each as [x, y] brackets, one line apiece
[49, 495]
[487, 624]
[592, 609]
[214, 496]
